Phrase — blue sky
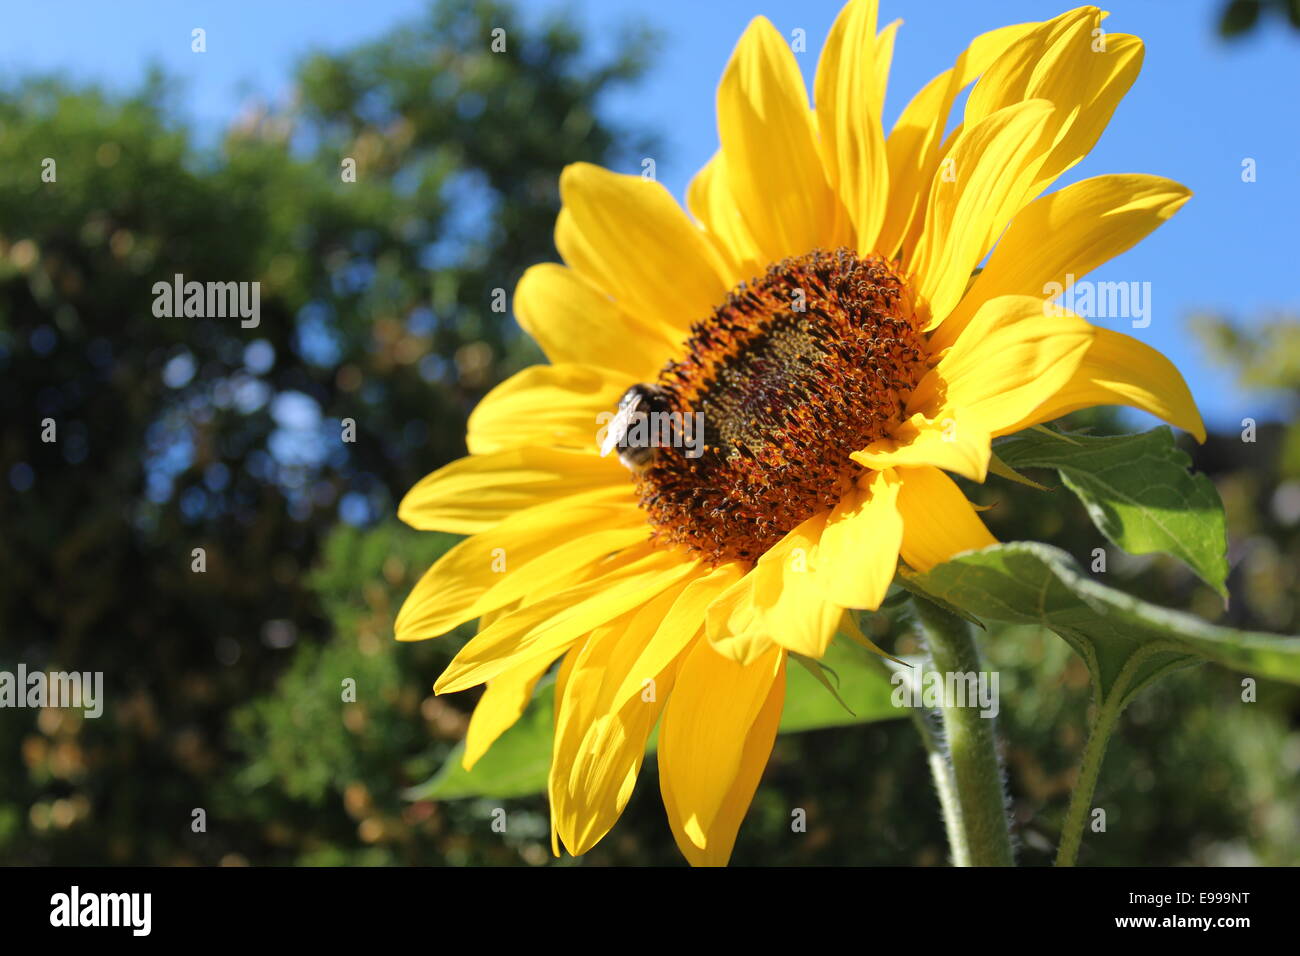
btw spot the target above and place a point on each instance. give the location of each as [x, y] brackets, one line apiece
[1198, 109]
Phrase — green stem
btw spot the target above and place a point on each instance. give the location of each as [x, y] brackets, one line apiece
[984, 836]
[926, 721]
[1109, 705]
[1081, 799]
[945, 784]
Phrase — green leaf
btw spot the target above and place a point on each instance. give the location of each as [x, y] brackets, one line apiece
[1238, 17]
[915, 584]
[517, 764]
[850, 630]
[863, 686]
[1125, 642]
[1138, 492]
[823, 675]
[1000, 468]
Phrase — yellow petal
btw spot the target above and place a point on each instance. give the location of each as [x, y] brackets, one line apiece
[1011, 359]
[884, 57]
[709, 199]
[789, 605]
[1117, 369]
[599, 747]
[913, 146]
[503, 701]
[784, 602]
[849, 100]
[953, 440]
[803, 619]
[629, 237]
[714, 704]
[938, 521]
[575, 322]
[562, 675]
[575, 707]
[553, 624]
[731, 623]
[552, 406]
[1110, 74]
[858, 551]
[479, 492]
[1067, 234]
[983, 181]
[452, 591]
[564, 563]
[1074, 64]
[767, 135]
[719, 837]
[678, 628]
[1008, 77]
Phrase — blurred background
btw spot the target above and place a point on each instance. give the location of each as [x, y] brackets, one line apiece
[222, 687]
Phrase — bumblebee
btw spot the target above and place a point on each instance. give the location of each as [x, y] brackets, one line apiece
[637, 404]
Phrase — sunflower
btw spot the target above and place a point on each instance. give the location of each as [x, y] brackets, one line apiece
[821, 308]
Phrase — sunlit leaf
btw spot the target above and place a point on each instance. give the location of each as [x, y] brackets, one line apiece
[1138, 491]
[1123, 640]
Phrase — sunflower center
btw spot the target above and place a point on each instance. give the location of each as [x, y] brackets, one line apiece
[788, 376]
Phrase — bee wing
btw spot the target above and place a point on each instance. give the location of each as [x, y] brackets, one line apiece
[618, 426]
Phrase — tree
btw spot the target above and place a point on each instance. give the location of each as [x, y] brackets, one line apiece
[164, 537]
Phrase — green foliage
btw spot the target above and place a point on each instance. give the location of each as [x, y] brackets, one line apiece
[1127, 644]
[342, 709]
[515, 765]
[177, 433]
[1264, 354]
[352, 722]
[1115, 634]
[861, 691]
[1239, 17]
[1138, 492]
[1175, 781]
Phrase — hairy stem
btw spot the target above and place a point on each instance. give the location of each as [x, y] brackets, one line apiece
[1081, 799]
[945, 784]
[983, 835]
[1109, 705]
